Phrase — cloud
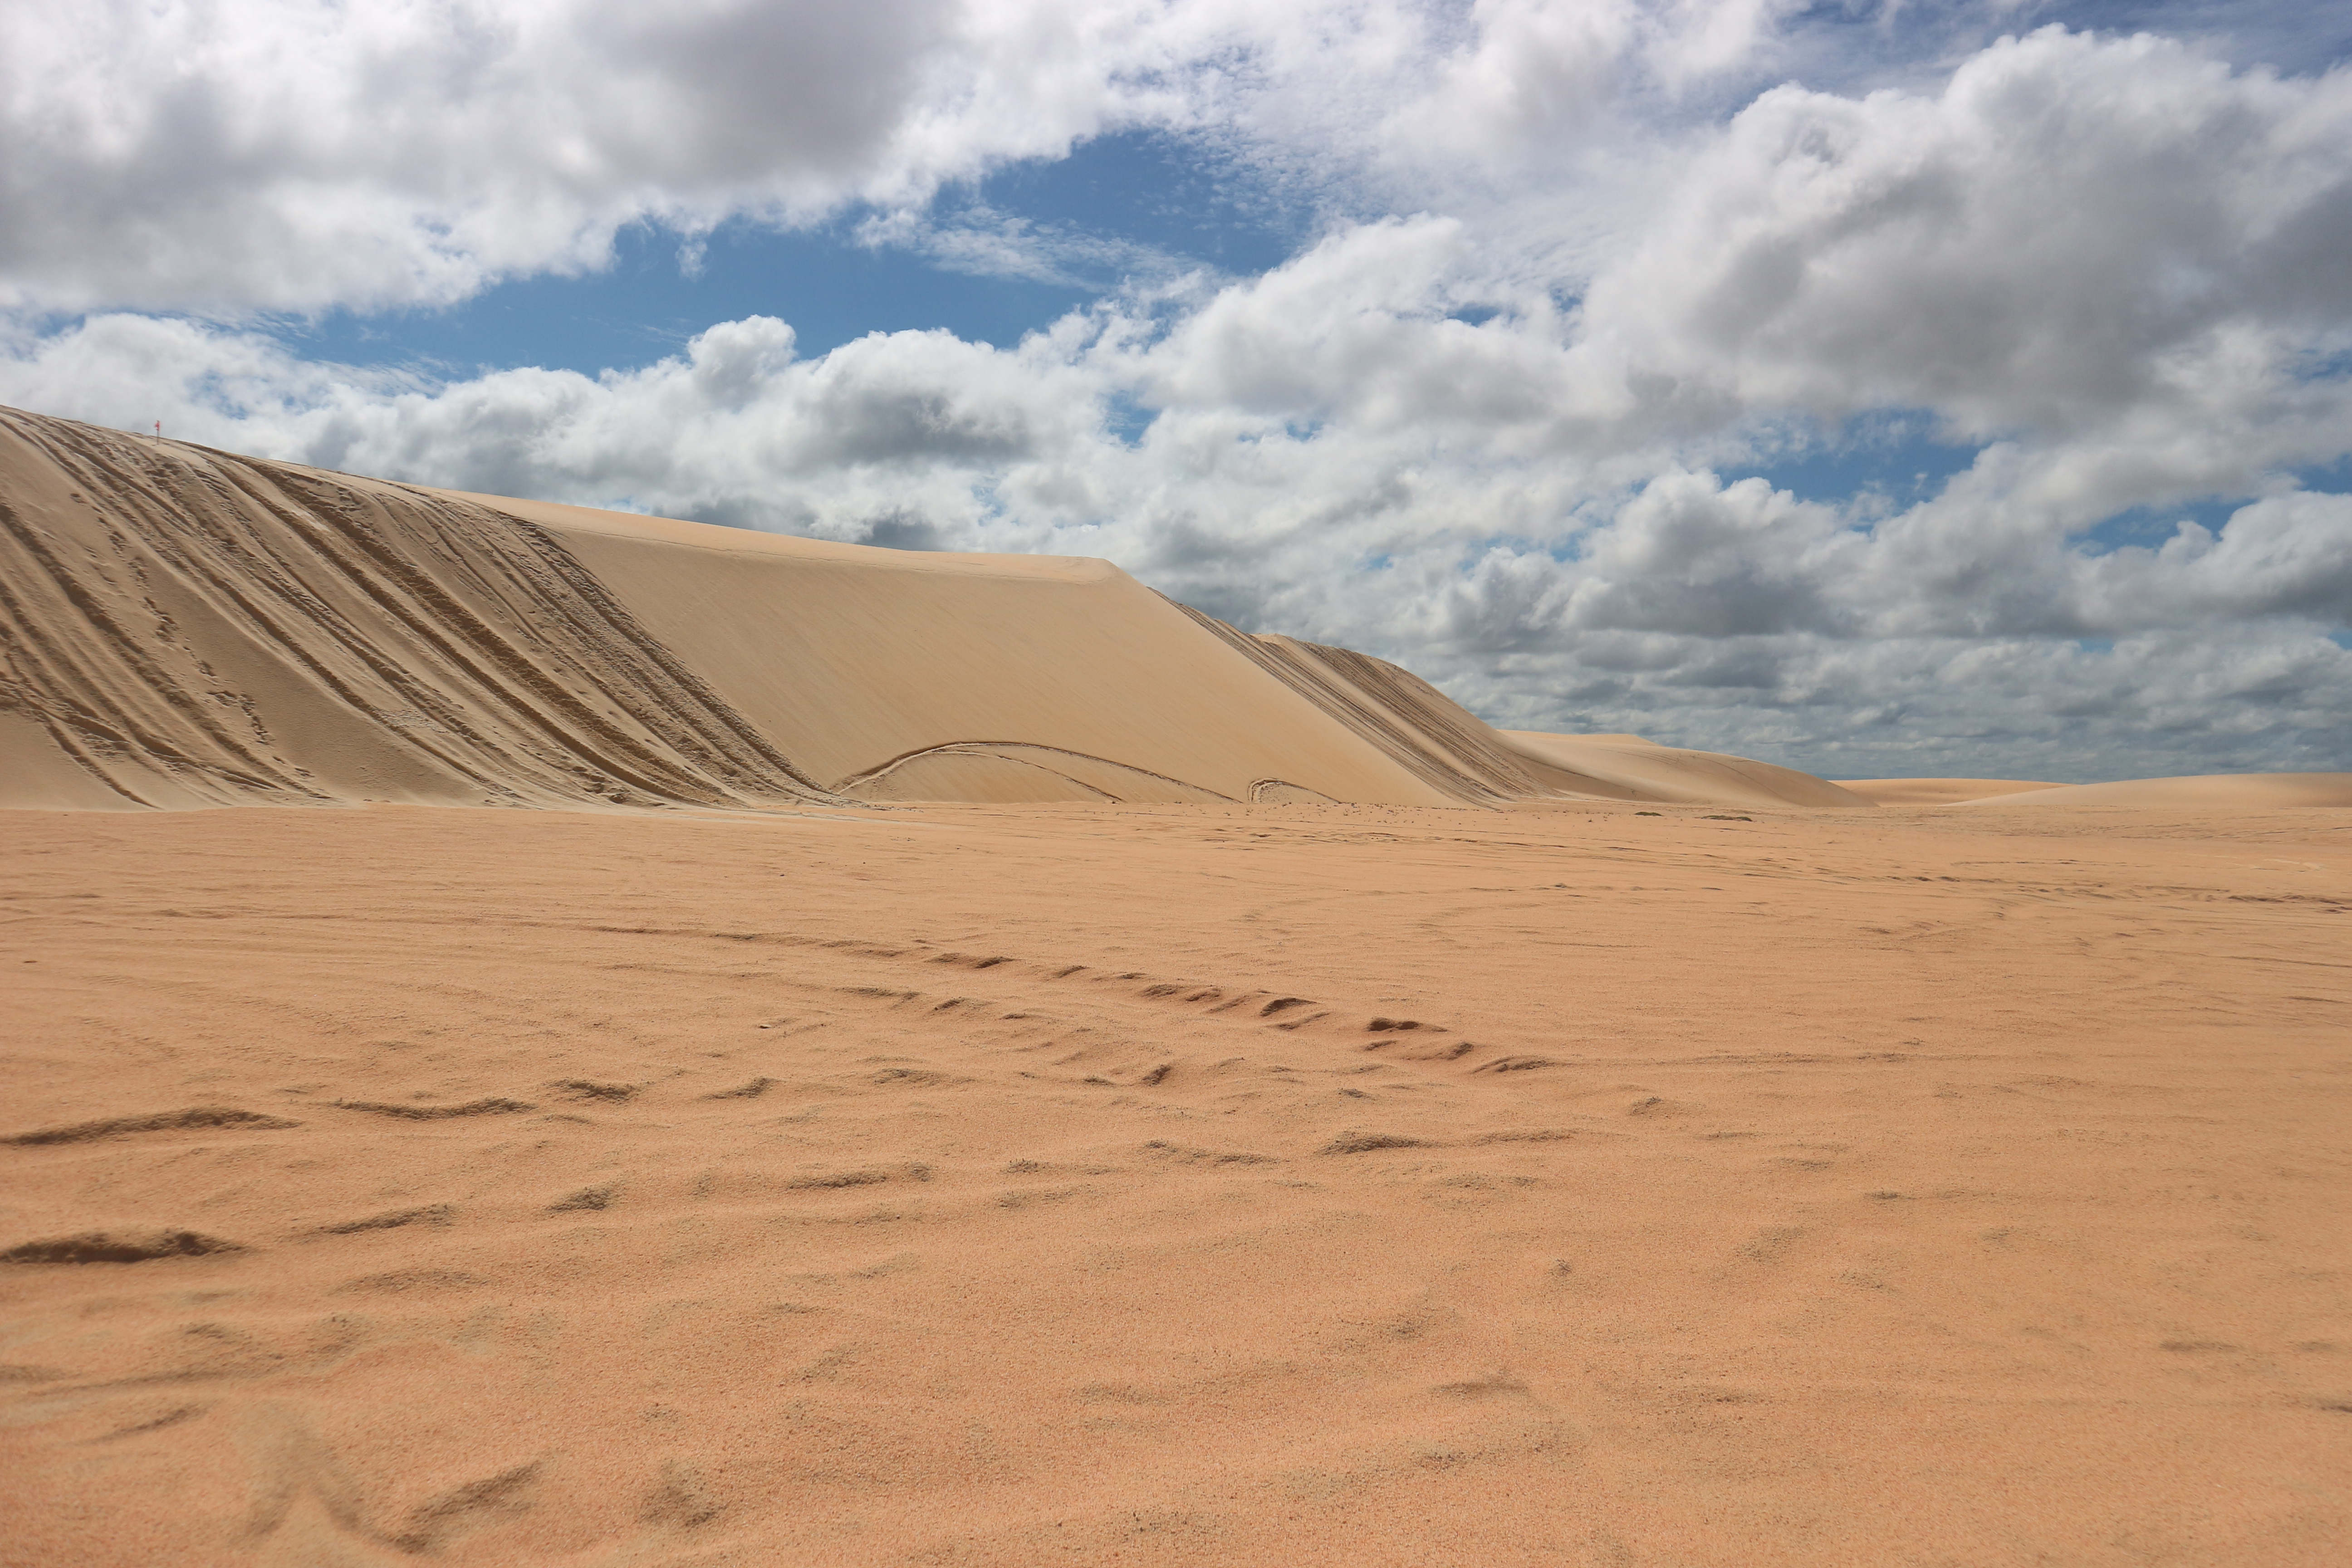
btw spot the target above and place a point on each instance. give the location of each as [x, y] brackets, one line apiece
[237, 156]
[982, 242]
[1499, 435]
[2282, 555]
[2070, 228]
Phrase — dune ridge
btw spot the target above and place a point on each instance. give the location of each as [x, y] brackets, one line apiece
[1626, 767]
[204, 629]
[192, 628]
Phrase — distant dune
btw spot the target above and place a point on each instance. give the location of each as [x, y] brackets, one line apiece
[1938, 792]
[2223, 791]
[1626, 767]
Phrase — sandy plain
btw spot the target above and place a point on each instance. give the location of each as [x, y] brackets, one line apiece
[1565, 1184]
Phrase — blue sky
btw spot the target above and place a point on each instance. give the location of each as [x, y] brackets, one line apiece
[1165, 194]
[1157, 197]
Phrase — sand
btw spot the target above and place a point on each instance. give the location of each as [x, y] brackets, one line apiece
[1177, 1185]
[701, 1048]
[1938, 791]
[2209, 792]
[1627, 767]
[197, 628]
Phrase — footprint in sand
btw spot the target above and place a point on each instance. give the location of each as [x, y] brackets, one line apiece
[104, 1247]
[680, 1500]
[402, 1280]
[1367, 1143]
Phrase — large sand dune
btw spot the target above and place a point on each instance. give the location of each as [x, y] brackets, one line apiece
[188, 628]
[195, 629]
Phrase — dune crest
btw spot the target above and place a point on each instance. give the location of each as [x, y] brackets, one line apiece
[202, 629]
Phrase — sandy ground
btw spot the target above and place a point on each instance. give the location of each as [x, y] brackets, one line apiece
[191, 628]
[1942, 792]
[1177, 1185]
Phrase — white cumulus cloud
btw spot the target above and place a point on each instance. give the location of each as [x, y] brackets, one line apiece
[1581, 269]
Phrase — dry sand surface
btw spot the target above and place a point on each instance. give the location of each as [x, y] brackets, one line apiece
[1177, 1185]
[1938, 792]
[2211, 791]
[2208, 792]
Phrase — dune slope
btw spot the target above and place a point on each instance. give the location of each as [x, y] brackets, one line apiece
[897, 675]
[194, 628]
[1626, 767]
[185, 629]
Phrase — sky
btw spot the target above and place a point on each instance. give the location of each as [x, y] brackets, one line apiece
[1879, 387]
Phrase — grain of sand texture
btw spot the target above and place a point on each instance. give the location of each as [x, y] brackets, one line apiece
[1177, 1185]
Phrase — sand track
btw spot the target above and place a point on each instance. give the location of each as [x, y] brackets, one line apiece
[1170, 1184]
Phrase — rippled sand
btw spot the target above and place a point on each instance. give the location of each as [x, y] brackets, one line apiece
[1177, 1185]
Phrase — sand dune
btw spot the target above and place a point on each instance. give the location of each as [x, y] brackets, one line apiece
[199, 630]
[1174, 1184]
[1938, 792]
[902, 675]
[204, 629]
[1626, 767]
[2212, 792]
[194, 628]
